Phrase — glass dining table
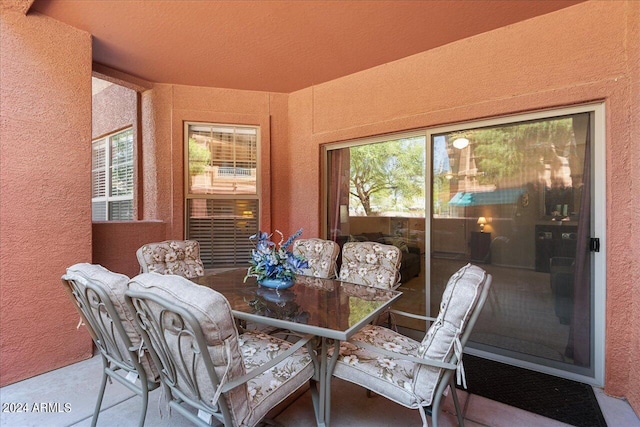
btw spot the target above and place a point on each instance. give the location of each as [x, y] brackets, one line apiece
[329, 309]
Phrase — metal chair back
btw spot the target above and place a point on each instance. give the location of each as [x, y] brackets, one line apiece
[120, 357]
[180, 348]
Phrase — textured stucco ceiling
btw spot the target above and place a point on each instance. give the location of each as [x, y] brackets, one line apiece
[278, 46]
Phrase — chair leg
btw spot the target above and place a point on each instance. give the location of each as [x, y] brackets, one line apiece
[456, 403]
[103, 386]
[145, 400]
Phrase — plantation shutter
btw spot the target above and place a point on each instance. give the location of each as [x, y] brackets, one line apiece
[112, 177]
[224, 230]
[121, 210]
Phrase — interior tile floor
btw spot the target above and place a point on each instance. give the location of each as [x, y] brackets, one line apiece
[77, 387]
[519, 317]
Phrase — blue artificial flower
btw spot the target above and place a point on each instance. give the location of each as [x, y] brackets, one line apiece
[273, 261]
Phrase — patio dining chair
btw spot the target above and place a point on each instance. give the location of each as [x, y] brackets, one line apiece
[321, 255]
[209, 371]
[417, 374]
[371, 264]
[99, 297]
[180, 257]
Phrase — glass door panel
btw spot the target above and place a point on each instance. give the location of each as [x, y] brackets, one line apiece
[376, 192]
[515, 199]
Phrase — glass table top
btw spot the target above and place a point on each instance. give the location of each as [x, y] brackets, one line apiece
[323, 307]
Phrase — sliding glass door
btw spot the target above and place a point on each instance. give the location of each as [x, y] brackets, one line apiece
[517, 196]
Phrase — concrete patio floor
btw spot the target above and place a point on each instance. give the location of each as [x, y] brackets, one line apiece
[75, 389]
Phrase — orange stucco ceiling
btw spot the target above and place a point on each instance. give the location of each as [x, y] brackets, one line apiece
[278, 46]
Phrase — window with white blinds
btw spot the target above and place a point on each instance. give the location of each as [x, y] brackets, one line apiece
[222, 191]
[112, 177]
[222, 159]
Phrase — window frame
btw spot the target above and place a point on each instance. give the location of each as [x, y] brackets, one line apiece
[222, 199]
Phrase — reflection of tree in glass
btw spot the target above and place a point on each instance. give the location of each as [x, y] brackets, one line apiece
[199, 156]
[507, 151]
[358, 309]
[363, 300]
[392, 169]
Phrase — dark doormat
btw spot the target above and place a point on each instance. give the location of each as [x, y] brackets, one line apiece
[564, 400]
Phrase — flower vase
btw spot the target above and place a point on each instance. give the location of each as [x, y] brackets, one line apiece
[276, 283]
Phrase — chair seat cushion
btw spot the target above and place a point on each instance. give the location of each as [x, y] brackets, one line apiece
[387, 376]
[115, 285]
[407, 383]
[273, 386]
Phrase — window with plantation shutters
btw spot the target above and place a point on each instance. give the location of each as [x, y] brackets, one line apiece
[222, 191]
[112, 177]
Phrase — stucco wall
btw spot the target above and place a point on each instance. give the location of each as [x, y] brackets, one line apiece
[45, 206]
[116, 243]
[113, 109]
[580, 54]
[296, 183]
[633, 391]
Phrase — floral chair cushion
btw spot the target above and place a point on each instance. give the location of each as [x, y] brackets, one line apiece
[410, 384]
[181, 257]
[115, 285]
[371, 264]
[459, 299]
[232, 355]
[274, 385]
[393, 378]
[321, 255]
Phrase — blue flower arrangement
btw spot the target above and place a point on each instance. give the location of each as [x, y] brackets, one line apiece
[274, 261]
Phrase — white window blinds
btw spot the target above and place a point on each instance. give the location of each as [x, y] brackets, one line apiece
[112, 177]
[222, 159]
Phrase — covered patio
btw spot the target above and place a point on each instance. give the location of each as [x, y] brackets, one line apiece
[305, 74]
